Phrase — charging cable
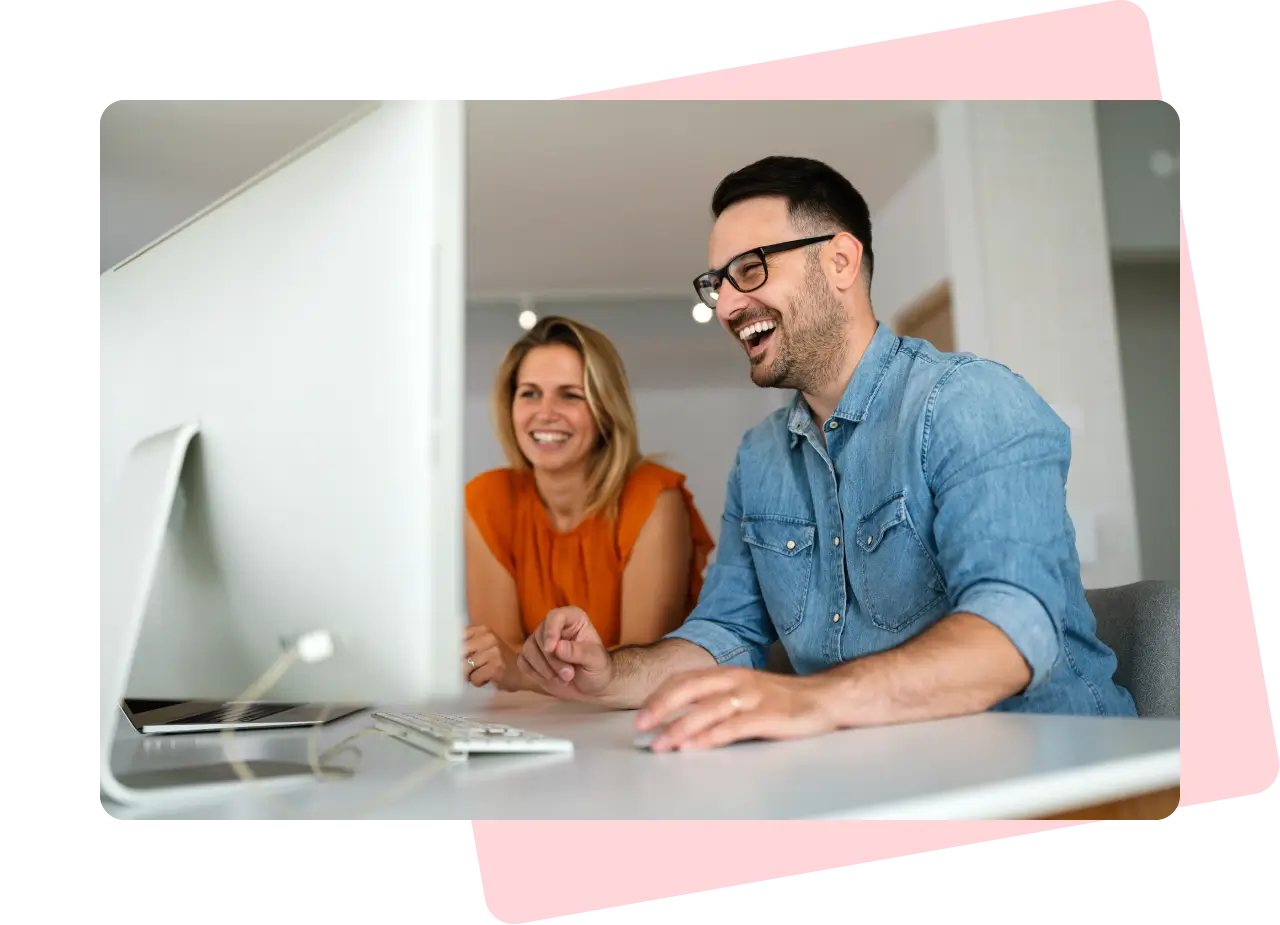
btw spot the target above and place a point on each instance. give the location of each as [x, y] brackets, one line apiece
[312, 648]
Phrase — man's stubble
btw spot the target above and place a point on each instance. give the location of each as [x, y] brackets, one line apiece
[812, 349]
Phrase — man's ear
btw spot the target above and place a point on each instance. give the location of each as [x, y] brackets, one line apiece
[845, 261]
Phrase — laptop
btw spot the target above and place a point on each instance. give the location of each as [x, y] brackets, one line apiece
[162, 717]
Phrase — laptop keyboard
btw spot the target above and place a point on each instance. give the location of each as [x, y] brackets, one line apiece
[239, 713]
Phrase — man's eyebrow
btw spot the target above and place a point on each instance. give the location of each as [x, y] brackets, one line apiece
[725, 264]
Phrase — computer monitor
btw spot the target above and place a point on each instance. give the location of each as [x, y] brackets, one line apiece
[281, 430]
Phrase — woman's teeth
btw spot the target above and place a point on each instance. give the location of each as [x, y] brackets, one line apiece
[548, 436]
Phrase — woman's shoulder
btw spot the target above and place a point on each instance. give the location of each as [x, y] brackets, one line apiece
[501, 479]
[646, 484]
[649, 479]
[491, 498]
[496, 487]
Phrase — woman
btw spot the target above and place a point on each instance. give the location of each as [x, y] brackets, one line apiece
[578, 518]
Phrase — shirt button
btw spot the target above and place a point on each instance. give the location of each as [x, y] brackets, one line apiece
[791, 544]
[870, 540]
[836, 541]
[833, 425]
[836, 618]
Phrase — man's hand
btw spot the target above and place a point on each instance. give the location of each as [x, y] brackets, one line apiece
[565, 656]
[727, 705]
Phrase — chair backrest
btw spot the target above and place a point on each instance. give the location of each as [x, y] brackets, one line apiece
[1140, 623]
[778, 661]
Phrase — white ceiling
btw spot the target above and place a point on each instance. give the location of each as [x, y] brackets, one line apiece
[563, 197]
[163, 161]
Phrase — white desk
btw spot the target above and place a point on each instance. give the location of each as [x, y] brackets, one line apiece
[989, 766]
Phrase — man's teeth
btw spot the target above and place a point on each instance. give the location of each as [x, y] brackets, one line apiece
[547, 436]
[758, 328]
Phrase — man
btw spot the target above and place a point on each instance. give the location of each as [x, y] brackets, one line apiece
[901, 527]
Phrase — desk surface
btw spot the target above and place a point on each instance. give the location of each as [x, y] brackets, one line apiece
[988, 766]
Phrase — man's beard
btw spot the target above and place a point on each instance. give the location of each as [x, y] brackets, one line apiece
[810, 347]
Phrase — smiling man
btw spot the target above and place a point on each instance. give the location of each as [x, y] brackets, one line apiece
[901, 526]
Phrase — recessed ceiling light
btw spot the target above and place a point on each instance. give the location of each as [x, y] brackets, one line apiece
[1163, 164]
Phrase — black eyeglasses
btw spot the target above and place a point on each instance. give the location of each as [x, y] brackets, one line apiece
[748, 271]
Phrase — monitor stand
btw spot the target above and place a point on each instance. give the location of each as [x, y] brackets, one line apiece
[133, 534]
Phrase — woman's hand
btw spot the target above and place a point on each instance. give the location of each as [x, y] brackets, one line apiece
[487, 659]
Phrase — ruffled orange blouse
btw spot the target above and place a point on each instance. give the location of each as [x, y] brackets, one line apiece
[582, 567]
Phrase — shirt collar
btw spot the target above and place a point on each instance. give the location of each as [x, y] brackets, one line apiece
[860, 393]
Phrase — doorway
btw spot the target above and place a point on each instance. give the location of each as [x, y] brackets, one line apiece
[929, 318]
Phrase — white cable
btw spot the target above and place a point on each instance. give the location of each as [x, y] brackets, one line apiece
[312, 648]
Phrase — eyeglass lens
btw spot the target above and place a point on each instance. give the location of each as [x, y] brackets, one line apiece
[746, 273]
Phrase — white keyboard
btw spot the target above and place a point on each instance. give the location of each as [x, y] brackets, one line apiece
[456, 737]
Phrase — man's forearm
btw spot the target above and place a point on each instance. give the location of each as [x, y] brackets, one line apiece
[638, 670]
[961, 665]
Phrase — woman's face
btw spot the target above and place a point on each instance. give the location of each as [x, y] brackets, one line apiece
[554, 425]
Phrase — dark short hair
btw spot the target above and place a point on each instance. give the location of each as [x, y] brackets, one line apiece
[818, 198]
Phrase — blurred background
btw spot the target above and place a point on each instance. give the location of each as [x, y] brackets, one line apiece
[1044, 235]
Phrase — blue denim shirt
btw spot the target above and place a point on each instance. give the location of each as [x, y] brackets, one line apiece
[940, 488]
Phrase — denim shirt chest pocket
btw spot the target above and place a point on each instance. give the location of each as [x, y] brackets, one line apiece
[898, 581]
[782, 552]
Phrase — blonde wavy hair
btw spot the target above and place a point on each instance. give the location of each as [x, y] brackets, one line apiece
[617, 451]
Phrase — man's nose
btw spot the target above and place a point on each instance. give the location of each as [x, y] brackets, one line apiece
[730, 303]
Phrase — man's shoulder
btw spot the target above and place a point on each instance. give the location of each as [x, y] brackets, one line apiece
[976, 400]
[930, 374]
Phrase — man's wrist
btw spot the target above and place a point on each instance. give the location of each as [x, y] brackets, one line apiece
[844, 695]
[614, 694]
[636, 671]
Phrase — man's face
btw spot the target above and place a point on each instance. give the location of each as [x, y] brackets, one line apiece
[793, 327]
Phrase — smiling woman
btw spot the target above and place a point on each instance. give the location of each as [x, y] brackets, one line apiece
[579, 517]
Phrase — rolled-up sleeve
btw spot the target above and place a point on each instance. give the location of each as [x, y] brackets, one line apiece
[730, 620]
[996, 458]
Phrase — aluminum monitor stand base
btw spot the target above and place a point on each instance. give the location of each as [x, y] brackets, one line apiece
[133, 534]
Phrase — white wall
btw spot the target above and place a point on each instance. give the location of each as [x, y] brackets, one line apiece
[910, 243]
[1147, 310]
[690, 386]
[1031, 272]
[1141, 207]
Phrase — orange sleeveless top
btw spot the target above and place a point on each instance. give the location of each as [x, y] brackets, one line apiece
[583, 567]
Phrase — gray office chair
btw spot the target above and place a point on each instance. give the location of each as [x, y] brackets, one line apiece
[777, 660]
[1139, 622]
